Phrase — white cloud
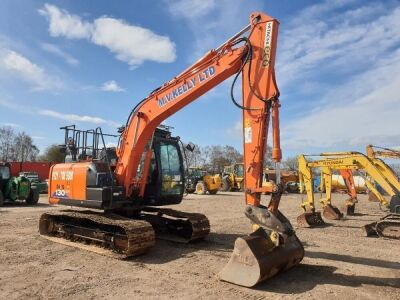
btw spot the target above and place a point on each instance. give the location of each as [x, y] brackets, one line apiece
[21, 66]
[71, 117]
[62, 23]
[51, 48]
[130, 43]
[13, 105]
[363, 111]
[76, 118]
[111, 86]
[190, 9]
[211, 21]
[335, 43]
[352, 60]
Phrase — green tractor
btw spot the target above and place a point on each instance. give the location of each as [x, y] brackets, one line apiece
[14, 188]
[41, 186]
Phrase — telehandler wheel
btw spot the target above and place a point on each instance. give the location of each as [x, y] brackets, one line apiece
[1, 199]
[33, 197]
[213, 192]
[226, 185]
[201, 188]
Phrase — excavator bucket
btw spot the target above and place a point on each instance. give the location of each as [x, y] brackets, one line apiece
[332, 212]
[310, 219]
[255, 259]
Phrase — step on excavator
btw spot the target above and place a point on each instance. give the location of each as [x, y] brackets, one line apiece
[375, 169]
[147, 170]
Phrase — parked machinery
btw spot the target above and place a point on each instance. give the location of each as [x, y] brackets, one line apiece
[33, 177]
[289, 179]
[347, 161]
[374, 153]
[149, 168]
[199, 181]
[13, 188]
[233, 178]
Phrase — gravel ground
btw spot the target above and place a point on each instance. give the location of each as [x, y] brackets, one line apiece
[339, 261]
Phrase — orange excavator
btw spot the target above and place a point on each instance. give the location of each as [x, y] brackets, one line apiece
[146, 170]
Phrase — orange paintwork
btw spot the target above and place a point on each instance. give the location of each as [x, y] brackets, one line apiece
[349, 181]
[212, 69]
[68, 181]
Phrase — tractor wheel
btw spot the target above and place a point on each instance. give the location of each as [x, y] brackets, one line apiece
[201, 188]
[33, 197]
[213, 192]
[226, 185]
[1, 199]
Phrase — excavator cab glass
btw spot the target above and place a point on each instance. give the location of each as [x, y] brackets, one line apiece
[239, 171]
[4, 172]
[165, 183]
[171, 176]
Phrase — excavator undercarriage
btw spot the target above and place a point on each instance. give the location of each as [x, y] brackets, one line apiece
[122, 236]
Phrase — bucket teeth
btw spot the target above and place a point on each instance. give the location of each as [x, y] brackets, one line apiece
[332, 212]
[310, 219]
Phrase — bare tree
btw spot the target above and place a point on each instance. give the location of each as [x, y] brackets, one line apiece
[218, 156]
[24, 149]
[195, 158]
[268, 157]
[7, 137]
[291, 163]
[52, 154]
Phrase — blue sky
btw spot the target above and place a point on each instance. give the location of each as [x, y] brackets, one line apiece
[89, 62]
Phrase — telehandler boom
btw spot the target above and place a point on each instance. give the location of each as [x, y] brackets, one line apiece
[128, 226]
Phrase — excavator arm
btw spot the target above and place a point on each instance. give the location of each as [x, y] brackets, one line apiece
[382, 152]
[254, 58]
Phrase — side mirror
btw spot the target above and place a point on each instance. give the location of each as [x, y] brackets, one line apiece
[190, 147]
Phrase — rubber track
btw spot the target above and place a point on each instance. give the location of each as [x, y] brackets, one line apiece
[139, 234]
[389, 226]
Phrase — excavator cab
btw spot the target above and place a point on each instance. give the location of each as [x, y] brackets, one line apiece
[165, 183]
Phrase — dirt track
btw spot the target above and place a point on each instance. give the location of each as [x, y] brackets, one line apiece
[339, 262]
